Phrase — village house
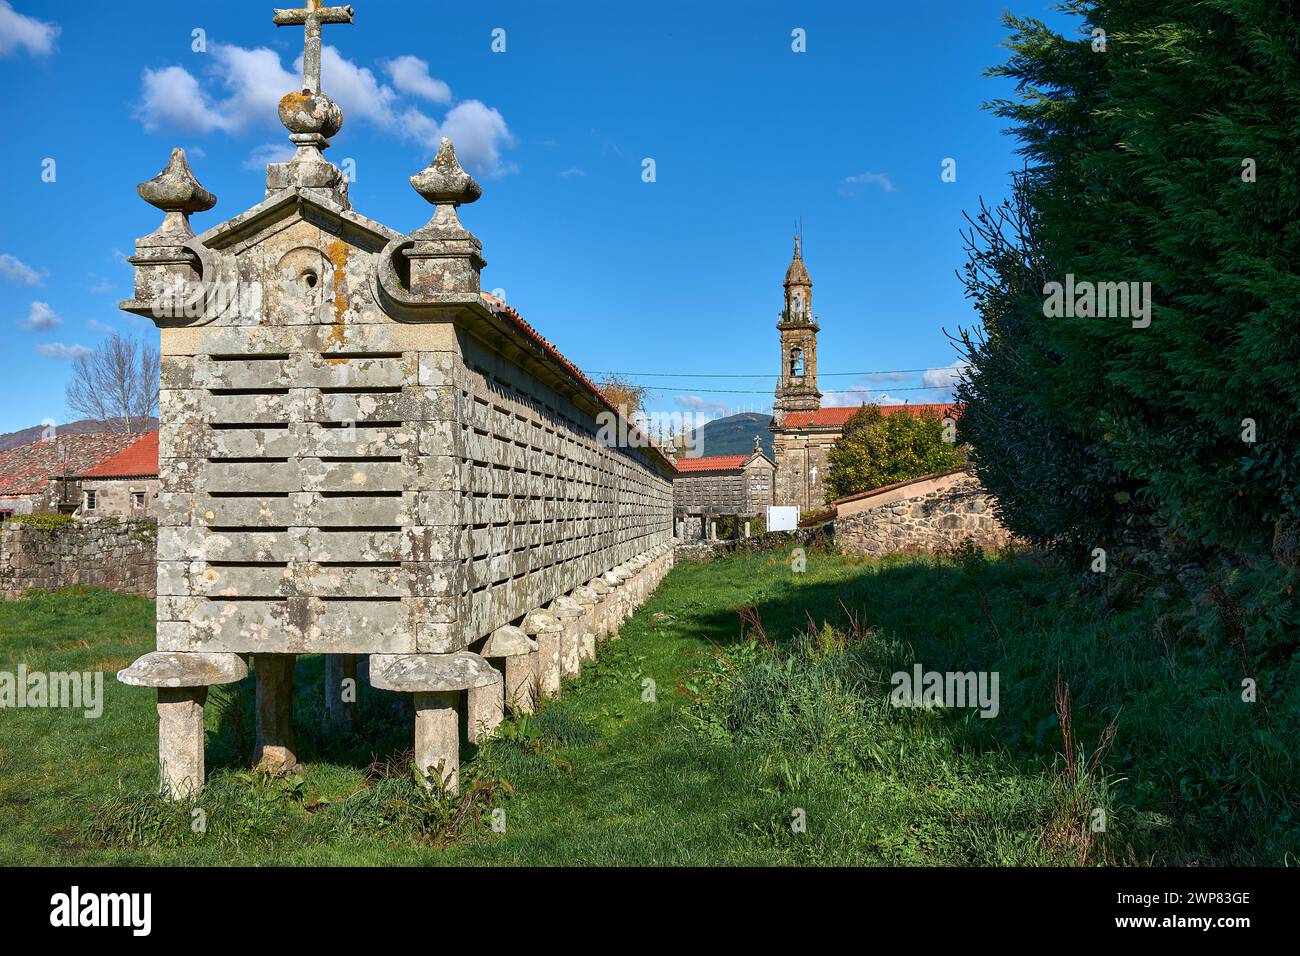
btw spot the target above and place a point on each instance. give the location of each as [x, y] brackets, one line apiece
[123, 486]
[42, 476]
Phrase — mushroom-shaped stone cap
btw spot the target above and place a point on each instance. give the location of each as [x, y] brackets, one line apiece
[599, 586]
[443, 180]
[508, 641]
[175, 189]
[184, 669]
[565, 607]
[613, 578]
[541, 622]
[430, 673]
[585, 595]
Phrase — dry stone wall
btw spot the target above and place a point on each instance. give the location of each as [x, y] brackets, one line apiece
[928, 514]
[105, 553]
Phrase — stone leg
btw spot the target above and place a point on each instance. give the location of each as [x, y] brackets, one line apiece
[520, 683]
[437, 737]
[548, 675]
[588, 648]
[274, 711]
[571, 650]
[341, 713]
[180, 740]
[485, 710]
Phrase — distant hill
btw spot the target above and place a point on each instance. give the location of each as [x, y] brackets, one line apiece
[28, 435]
[734, 435]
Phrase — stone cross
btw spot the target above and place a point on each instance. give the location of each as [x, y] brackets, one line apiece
[312, 16]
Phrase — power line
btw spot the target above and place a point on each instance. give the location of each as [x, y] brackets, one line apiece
[894, 371]
[741, 391]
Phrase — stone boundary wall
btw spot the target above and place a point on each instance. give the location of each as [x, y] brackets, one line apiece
[106, 553]
[771, 541]
[927, 514]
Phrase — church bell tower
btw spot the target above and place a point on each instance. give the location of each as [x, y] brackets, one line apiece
[796, 390]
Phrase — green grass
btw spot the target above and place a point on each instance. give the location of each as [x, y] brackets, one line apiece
[742, 733]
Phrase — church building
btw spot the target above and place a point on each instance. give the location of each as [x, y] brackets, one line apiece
[804, 431]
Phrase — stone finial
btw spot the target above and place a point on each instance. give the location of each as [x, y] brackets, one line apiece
[445, 257]
[178, 194]
[309, 115]
[443, 181]
[758, 445]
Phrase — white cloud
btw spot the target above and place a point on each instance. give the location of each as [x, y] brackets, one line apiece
[945, 377]
[17, 271]
[57, 350]
[858, 395]
[355, 89]
[421, 128]
[40, 318]
[268, 153]
[479, 133]
[573, 171]
[706, 406]
[849, 187]
[410, 75]
[102, 287]
[173, 99]
[246, 85]
[17, 30]
[99, 326]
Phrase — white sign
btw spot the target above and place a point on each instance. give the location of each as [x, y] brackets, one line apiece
[783, 518]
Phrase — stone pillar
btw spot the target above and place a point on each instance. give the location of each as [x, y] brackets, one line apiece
[437, 737]
[569, 613]
[511, 652]
[340, 714]
[746, 529]
[485, 709]
[587, 599]
[713, 530]
[435, 682]
[546, 631]
[180, 741]
[274, 674]
[600, 613]
[182, 679]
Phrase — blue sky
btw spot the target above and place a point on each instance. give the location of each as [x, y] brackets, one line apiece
[681, 275]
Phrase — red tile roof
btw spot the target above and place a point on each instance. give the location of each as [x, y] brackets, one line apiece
[25, 470]
[713, 463]
[836, 417]
[138, 459]
[500, 307]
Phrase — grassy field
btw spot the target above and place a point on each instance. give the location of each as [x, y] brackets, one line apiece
[768, 709]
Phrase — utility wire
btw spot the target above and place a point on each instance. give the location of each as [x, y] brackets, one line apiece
[741, 391]
[895, 371]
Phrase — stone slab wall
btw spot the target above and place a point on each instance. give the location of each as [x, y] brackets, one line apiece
[543, 506]
[118, 555]
[929, 514]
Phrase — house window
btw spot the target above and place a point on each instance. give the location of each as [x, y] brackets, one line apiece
[137, 500]
[90, 501]
[796, 363]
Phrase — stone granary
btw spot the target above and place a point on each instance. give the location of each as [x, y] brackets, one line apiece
[707, 487]
[360, 454]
